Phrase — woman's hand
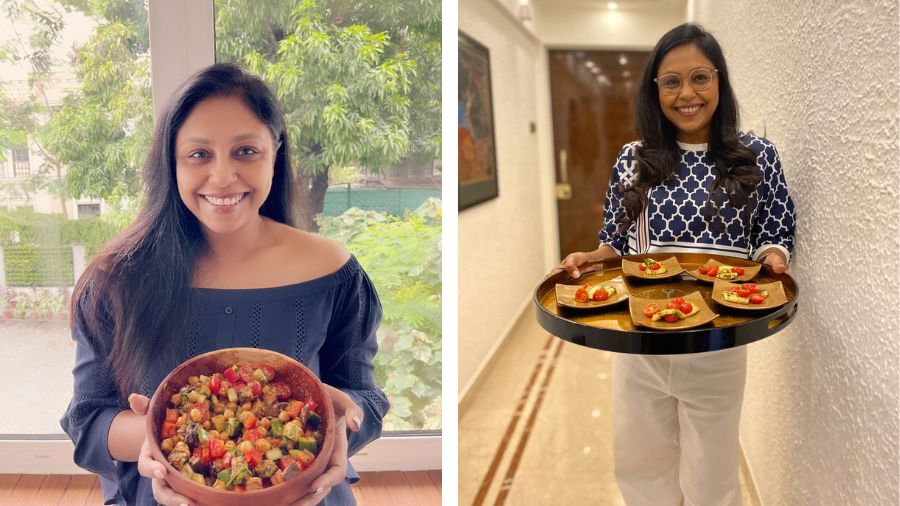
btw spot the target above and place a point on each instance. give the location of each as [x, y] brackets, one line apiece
[573, 261]
[344, 409]
[776, 261]
[152, 469]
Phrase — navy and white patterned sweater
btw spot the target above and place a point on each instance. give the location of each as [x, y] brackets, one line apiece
[674, 221]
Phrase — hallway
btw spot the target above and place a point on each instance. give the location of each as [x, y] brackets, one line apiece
[538, 427]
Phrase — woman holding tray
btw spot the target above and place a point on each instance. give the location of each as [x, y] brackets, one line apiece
[212, 261]
[692, 184]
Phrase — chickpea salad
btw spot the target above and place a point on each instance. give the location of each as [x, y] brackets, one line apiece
[240, 429]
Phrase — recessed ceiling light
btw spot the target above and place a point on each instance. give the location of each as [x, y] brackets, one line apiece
[623, 60]
[612, 6]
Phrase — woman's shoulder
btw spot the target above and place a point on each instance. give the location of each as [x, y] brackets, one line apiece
[757, 143]
[321, 256]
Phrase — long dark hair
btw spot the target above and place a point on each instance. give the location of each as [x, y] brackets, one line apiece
[138, 288]
[658, 155]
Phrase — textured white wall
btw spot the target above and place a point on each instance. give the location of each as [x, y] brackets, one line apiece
[820, 422]
[502, 244]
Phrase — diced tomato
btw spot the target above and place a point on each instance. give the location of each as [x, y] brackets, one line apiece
[250, 421]
[231, 374]
[670, 318]
[246, 373]
[284, 391]
[703, 269]
[171, 415]
[275, 442]
[312, 404]
[601, 295]
[169, 428]
[251, 435]
[253, 458]
[255, 388]
[651, 309]
[293, 408]
[757, 298]
[642, 267]
[268, 370]
[216, 448]
[581, 295]
[738, 270]
[238, 488]
[226, 459]
[686, 308]
[285, 461]
[678, 300]
[215, 383]
[655, 266]
[713, 270]
[750, 287]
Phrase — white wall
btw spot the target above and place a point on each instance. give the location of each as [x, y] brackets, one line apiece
[578, 26]
[503, 242]
[820, 423]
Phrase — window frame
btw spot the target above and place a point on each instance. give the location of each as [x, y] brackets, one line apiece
[182, 35]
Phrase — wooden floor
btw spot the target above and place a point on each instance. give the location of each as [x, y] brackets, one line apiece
[418, 488]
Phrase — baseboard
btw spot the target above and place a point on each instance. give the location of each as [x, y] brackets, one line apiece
[488, 361]
[749, 478]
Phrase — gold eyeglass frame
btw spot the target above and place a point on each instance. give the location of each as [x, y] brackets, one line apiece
[676, 91]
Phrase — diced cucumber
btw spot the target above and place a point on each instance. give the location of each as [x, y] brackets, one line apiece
[260, 376]
[274, 454]
[293, 430]
[218, 422]
[224, 475]
[307, 443]
[277, 427]
[202, 434]
[232, 395]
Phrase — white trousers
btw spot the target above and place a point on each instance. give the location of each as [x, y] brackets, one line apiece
[676, 427]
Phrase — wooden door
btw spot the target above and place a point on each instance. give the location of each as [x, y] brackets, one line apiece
[592, 95]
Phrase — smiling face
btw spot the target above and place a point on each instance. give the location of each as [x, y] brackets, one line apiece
[224, 163]
[691, 111]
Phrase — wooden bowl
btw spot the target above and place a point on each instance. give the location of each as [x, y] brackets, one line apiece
[303, 384]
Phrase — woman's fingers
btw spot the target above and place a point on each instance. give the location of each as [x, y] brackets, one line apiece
[336, 471]
[138, 403]
[776, 263]
[147, 466]
[346, 408]
[165, 495]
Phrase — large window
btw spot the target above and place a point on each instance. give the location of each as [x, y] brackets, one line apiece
[360, 82]
[76, 116]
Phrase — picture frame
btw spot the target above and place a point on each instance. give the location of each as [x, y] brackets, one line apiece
[477, 145]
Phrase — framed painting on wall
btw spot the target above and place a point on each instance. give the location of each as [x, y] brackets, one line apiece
[477, 147]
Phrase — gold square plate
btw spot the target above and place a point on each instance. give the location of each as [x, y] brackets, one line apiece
[673, 268]
[751, 269]
[565, 294]
[776, 298]
[704, 316]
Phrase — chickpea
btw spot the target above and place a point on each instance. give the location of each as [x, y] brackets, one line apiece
[265, 423]
[176, 399]
[229, 444]
[284, 416]
[232, 406]
[167, 444]
[245, 446]
[196, 415]
[229, 413]
[262, 445]
[246, 406]
[213, 434]
[262, 431]
[193, 381]
[206, 424]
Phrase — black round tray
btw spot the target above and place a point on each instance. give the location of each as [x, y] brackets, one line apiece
[737, 328]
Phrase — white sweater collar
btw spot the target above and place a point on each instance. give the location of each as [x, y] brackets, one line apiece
[693, 147]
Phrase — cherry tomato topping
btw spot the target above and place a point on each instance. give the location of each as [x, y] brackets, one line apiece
[601, 295]
[655, 266]
[670, 318]
[703, 269]
[742, 293]
[672, 305]
[231, 374]
[581, 295]
[283, 390]
[246, 373]
[651, 309]
[757, 298]
[678, 300]
[642, 267]
[739, 271]
[269, 371]
[713, 270]
[686, 308]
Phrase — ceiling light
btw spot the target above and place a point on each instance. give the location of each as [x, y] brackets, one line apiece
[623, 60]
[612, 6]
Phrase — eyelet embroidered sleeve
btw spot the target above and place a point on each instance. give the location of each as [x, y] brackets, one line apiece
[95, 402]
[346, 358]
[613, 211]
[775, 219]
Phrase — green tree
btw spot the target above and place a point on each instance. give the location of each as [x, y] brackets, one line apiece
[347, 89]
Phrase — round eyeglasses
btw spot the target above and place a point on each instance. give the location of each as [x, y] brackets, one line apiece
[699, 79]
